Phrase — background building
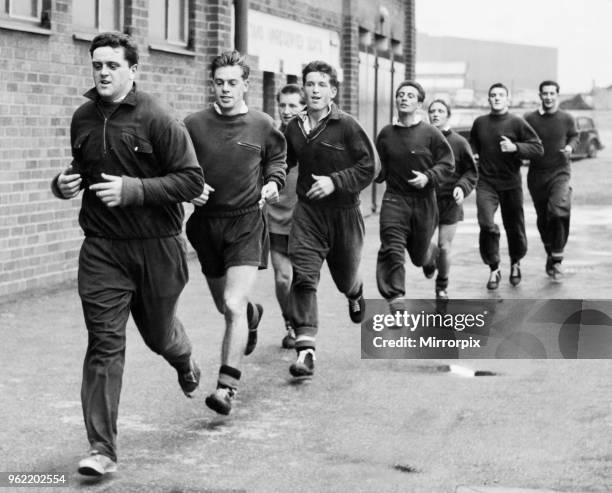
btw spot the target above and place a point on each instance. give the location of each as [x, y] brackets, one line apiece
[45, 69]
[448, 64]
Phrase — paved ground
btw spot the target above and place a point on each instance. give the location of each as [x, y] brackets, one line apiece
[359, 425]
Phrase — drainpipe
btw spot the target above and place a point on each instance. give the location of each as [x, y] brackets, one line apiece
[241, 32]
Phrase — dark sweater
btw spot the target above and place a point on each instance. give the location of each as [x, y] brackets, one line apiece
[139, 140]
[339, 148]
[501, 170]
[238, 155]
[465, 175]
[556, 130]
[420, 147]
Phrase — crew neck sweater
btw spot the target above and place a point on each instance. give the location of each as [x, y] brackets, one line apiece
[498, 169]
[465, 175]
[420, 147]
[238, 155]
[556, 130]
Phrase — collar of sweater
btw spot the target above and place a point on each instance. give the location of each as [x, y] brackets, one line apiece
[244, 109]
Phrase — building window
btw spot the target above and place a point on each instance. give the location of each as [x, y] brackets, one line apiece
[26, 15]
[25, 10]
[98, 15]
[169, 21]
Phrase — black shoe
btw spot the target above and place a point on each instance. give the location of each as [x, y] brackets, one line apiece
[221, 400]
[253, 320]
[357, 309]
[558, 272]
[288, 341]
[189, 381]
[549, 266]
[429, 270]
[494, 279]
[515, 274]
[304, 366]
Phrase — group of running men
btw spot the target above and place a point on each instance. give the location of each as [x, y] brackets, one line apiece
[292, 190]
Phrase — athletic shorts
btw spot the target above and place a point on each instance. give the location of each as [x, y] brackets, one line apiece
[279, 243]
[223, 242]
[449, 211]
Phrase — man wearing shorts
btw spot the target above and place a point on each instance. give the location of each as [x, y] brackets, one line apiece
[243, 158]
[451, 192]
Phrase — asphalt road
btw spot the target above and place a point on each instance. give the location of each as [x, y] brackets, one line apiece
[358, 425]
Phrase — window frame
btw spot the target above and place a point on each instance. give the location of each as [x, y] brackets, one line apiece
[87, 33]
[184, 46]
[39, 24]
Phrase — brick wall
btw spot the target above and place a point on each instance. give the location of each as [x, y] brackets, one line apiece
[42, 79]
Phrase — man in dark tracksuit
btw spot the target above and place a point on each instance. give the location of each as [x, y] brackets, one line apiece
[243, 156]
[501, 141]
[336, 161]
[548, 178]
[415, 157]
[136, 164]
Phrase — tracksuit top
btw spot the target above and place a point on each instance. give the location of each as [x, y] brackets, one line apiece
[139, 140]
[337, 147]
[238, 154]
[501, 170]
[420, 147]
[280, 213]
[465, 175]
[556, 130]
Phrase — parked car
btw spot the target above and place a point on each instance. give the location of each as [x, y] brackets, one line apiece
[589, 143]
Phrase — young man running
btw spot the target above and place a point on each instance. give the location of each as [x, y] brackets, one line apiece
[135, 164]
[451, 192]
[243, 158]
[336, 161]
[415, 157]
[549, 175]
[502, 140]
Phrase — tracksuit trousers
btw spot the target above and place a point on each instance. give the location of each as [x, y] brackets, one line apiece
[320, 233]
[511, 202]
[406, 223]
[116, 278]
[552, 194]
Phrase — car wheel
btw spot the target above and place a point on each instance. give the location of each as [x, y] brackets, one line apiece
[592, 150]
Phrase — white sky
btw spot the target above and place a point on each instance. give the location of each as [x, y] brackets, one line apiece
[580, 29]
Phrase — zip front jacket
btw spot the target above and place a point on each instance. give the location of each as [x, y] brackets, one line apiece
[139, 140]
[339, 148]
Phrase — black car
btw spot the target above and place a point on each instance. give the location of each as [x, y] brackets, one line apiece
[589, 143]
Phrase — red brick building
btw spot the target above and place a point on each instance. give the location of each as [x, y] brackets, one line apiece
[45, 69]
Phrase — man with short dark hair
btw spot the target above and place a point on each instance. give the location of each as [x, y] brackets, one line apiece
[502, 140]
[135, 164]
[243, 158]
[336, 161]
[415, 157]
[290, 101]
[549, 175]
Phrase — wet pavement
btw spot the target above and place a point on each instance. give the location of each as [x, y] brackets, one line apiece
[358, 425]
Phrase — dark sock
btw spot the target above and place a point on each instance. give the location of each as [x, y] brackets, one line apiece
[229, 377]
